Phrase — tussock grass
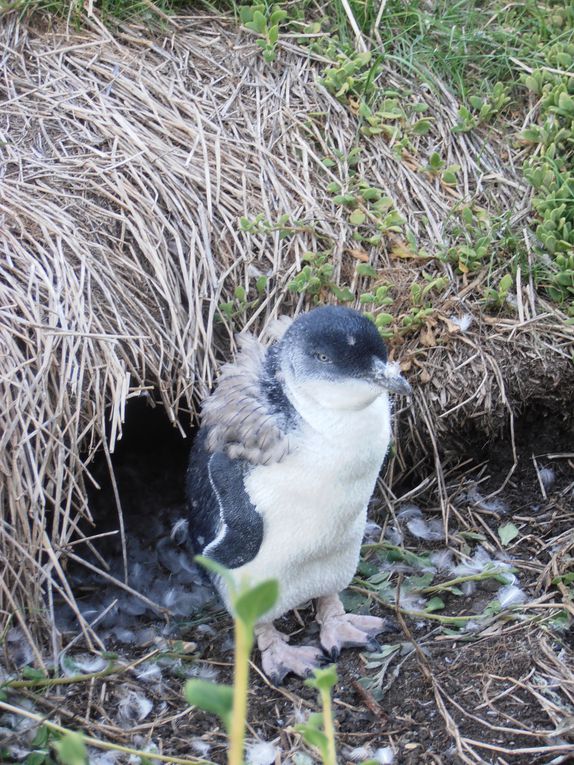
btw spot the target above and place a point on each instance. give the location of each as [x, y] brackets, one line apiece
[128, 161]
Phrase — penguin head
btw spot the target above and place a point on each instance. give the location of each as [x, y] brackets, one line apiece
[336, 357]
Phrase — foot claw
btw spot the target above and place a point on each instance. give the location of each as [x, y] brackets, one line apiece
[278, 658]
[340, 630]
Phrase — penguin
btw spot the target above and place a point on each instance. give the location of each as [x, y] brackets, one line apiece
[281, 472]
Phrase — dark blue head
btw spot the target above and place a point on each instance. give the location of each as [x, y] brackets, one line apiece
[337, 356]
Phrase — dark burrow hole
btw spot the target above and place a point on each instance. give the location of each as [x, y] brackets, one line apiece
[149, 468]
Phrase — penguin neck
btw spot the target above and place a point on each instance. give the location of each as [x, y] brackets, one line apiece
[337, 421]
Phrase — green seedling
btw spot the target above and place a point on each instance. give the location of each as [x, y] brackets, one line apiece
[319, 730]
[316, 278]
[240, 304]
[284, 225]
[497, 298]
[265, 22]
[248, 604]
[351, 75]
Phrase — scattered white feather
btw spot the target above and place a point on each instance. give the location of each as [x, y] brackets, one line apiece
[463, 322]
[510, 595]
[471, 626]
[372, 532]
[393, 369]
[412, 602]
[261, 753]
[299, 715]
[302, 758]
[133, 708]
[18, 648]
[409, 511]
[442, 560]
[384, 755]
[430, 530]
[16, 752]
[478, 563]
[145, 636]
[83, 663]
[149, 672]
[394, 535]
[494, 505]
[179, 531]
[547, 476]
[124, 635]
[201, 670]
[144, 745]
[97, 757]
[468, 588]
[200, 747]
[359, 753]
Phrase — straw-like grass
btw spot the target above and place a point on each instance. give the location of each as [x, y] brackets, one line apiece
[127, 161]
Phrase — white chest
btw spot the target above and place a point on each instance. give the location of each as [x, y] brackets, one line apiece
[314, 503]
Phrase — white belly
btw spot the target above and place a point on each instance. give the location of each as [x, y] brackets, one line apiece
[314, 505]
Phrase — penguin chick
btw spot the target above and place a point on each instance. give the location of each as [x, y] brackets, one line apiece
[291, 444]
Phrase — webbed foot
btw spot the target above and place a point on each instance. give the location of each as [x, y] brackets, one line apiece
[341, 630]
[278, 658]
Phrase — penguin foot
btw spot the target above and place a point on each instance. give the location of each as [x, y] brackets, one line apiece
[341, 630]
[278, 658]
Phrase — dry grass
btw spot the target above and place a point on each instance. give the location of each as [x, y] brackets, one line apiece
[127, 162]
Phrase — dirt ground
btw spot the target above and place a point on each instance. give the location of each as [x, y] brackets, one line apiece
[499, 691]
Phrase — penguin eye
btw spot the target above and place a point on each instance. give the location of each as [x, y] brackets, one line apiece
[322, 357]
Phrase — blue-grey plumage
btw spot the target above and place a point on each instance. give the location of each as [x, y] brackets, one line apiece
[291, 444]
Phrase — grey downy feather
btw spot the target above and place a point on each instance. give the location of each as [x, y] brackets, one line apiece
[238, 416]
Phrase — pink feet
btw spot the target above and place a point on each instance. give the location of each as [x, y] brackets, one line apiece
[340, 630]
[278, 658]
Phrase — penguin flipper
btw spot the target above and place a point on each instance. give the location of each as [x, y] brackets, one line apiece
[232, 528]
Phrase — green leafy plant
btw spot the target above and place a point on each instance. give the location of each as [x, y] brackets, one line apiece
[319, 730]
[264, 21]
[240, 304]
[316, 277]
[230, 702]
[497, 297]
[352, 74]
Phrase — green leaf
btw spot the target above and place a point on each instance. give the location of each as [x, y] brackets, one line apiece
[261, 284]
[422, 127]
[246, 13]
[255, 602]
[343, 294]
[365, 269]
[71, 749]
[323, 679]
[434, 604]
[278, 16]
[357, 218]
[211, 697]
[42, 737]
[273, 34]
[371, 194]
[505, 284]
[449, 177]
[31, 673]
[507, 533]
[34, 758]
[313, 736]
[259, 24]
[240, 293]
[384, 319]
